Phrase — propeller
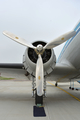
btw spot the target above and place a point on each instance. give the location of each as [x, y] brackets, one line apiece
[59, 40]
[39, 50]
[39, 76]
[18, 39]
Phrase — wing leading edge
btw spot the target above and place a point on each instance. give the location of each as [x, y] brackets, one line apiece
[11, 65]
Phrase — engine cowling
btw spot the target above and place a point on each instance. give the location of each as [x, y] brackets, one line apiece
[30, 59]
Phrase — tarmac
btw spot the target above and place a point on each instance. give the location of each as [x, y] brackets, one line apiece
[16, 102]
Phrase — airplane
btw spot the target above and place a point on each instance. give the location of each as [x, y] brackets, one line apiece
[39, 60]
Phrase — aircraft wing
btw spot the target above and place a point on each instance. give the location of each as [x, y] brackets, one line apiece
[63, 73]
[13, 71]
[11, 65]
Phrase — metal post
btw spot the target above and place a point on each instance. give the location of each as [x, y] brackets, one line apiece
[70, 83]
[73, 83]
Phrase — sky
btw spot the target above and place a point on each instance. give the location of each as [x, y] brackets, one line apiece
[35, 20]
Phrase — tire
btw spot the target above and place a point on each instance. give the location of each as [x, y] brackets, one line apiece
[56, 84]
[72, 88]
[38, 99]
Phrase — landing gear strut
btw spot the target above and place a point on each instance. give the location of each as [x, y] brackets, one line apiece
[33, 86]
[38, 99]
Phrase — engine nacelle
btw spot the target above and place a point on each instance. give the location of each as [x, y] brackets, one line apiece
[30, 59]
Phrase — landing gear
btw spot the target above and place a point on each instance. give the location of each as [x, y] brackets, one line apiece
[38, 99]
[44, 87]
[33, 86]
[56, 84]
[71, 85]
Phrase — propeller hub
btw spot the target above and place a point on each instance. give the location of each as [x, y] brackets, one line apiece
[39, 49]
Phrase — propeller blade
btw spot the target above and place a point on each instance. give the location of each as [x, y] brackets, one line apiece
[59, 40]
[39, 76]
[18, 39]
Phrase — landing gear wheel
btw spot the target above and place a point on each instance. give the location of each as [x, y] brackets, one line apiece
[38, 99]
[72, 88]
[56, 84]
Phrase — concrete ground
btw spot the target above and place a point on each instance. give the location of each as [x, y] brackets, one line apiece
[16, 102]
